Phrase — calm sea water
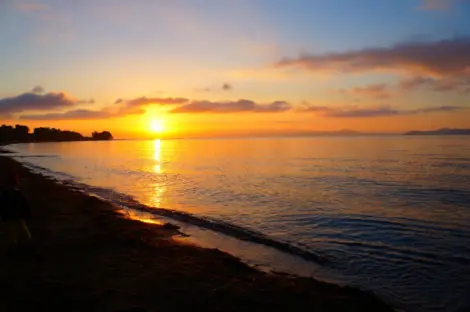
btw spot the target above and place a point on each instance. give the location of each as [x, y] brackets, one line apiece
[391, 213]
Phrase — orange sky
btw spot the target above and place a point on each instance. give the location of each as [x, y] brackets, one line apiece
[191, 66]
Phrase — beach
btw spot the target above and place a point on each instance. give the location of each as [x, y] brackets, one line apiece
[89, 257]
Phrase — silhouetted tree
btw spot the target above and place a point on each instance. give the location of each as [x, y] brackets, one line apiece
[20, 133]
[105, 135]
[55, 135]
[7, 133]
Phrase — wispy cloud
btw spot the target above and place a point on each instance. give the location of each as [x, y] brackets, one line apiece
[144, 101]
[232, 107]
[119, 109]
[460, 83]
[72, 114]
[368, 112]
[450, 57]
[137, 106]
[223, 87]
[38, 89]
[374, 90]
[27, 105]
[90, 101]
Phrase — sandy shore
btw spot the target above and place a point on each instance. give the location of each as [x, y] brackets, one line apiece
[90, 258]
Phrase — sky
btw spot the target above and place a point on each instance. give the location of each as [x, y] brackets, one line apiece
[189, 68]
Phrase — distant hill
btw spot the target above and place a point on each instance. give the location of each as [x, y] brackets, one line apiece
[443, 131]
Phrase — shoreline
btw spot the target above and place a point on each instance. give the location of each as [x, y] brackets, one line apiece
[92, 258]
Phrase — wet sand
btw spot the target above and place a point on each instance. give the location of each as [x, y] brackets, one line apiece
[89, 257]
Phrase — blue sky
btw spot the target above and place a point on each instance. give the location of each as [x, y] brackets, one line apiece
[123, 49]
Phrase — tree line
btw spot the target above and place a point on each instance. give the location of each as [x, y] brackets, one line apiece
[21, 133]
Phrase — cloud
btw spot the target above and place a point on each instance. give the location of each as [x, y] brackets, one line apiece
[207, 89]
[449, 57]
[223, 87]
[232, 107]
[38, 89]
[415, 82]
[73, 114]
[374, 90]
[35, 102]
[120, 108]
[107, 112]
[135, 106]
[90, 101]
[460, 83]
[354, 112]
[144, 101]
[435, 5]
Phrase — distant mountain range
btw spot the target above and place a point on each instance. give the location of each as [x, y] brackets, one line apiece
[443, 131]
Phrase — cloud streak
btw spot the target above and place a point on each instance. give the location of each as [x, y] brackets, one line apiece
[119, 109]
[374, 90]
[136, 106]
[223, 87]
[370, 112]
[460, 84]
[450, 57]
[144, 101]
[72, 114]
[239, 106]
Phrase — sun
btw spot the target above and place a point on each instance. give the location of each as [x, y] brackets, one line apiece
[157, 126]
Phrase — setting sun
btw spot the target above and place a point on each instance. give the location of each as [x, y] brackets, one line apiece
[157, 126]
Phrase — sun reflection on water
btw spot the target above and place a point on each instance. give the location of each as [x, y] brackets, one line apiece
[158, 187]
[156, 156]
[140, 216]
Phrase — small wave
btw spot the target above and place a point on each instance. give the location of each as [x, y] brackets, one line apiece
[211, 224]
[216, 225]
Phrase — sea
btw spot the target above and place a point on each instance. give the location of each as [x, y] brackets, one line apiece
[387, 214]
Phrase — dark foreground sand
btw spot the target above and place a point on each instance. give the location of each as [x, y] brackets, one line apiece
[90, 258]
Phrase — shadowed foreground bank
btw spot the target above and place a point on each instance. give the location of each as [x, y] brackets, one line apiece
[92, 259]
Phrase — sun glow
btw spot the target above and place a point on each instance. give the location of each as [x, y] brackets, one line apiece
[157, 126]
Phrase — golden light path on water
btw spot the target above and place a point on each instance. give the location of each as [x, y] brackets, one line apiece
[159, 188]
